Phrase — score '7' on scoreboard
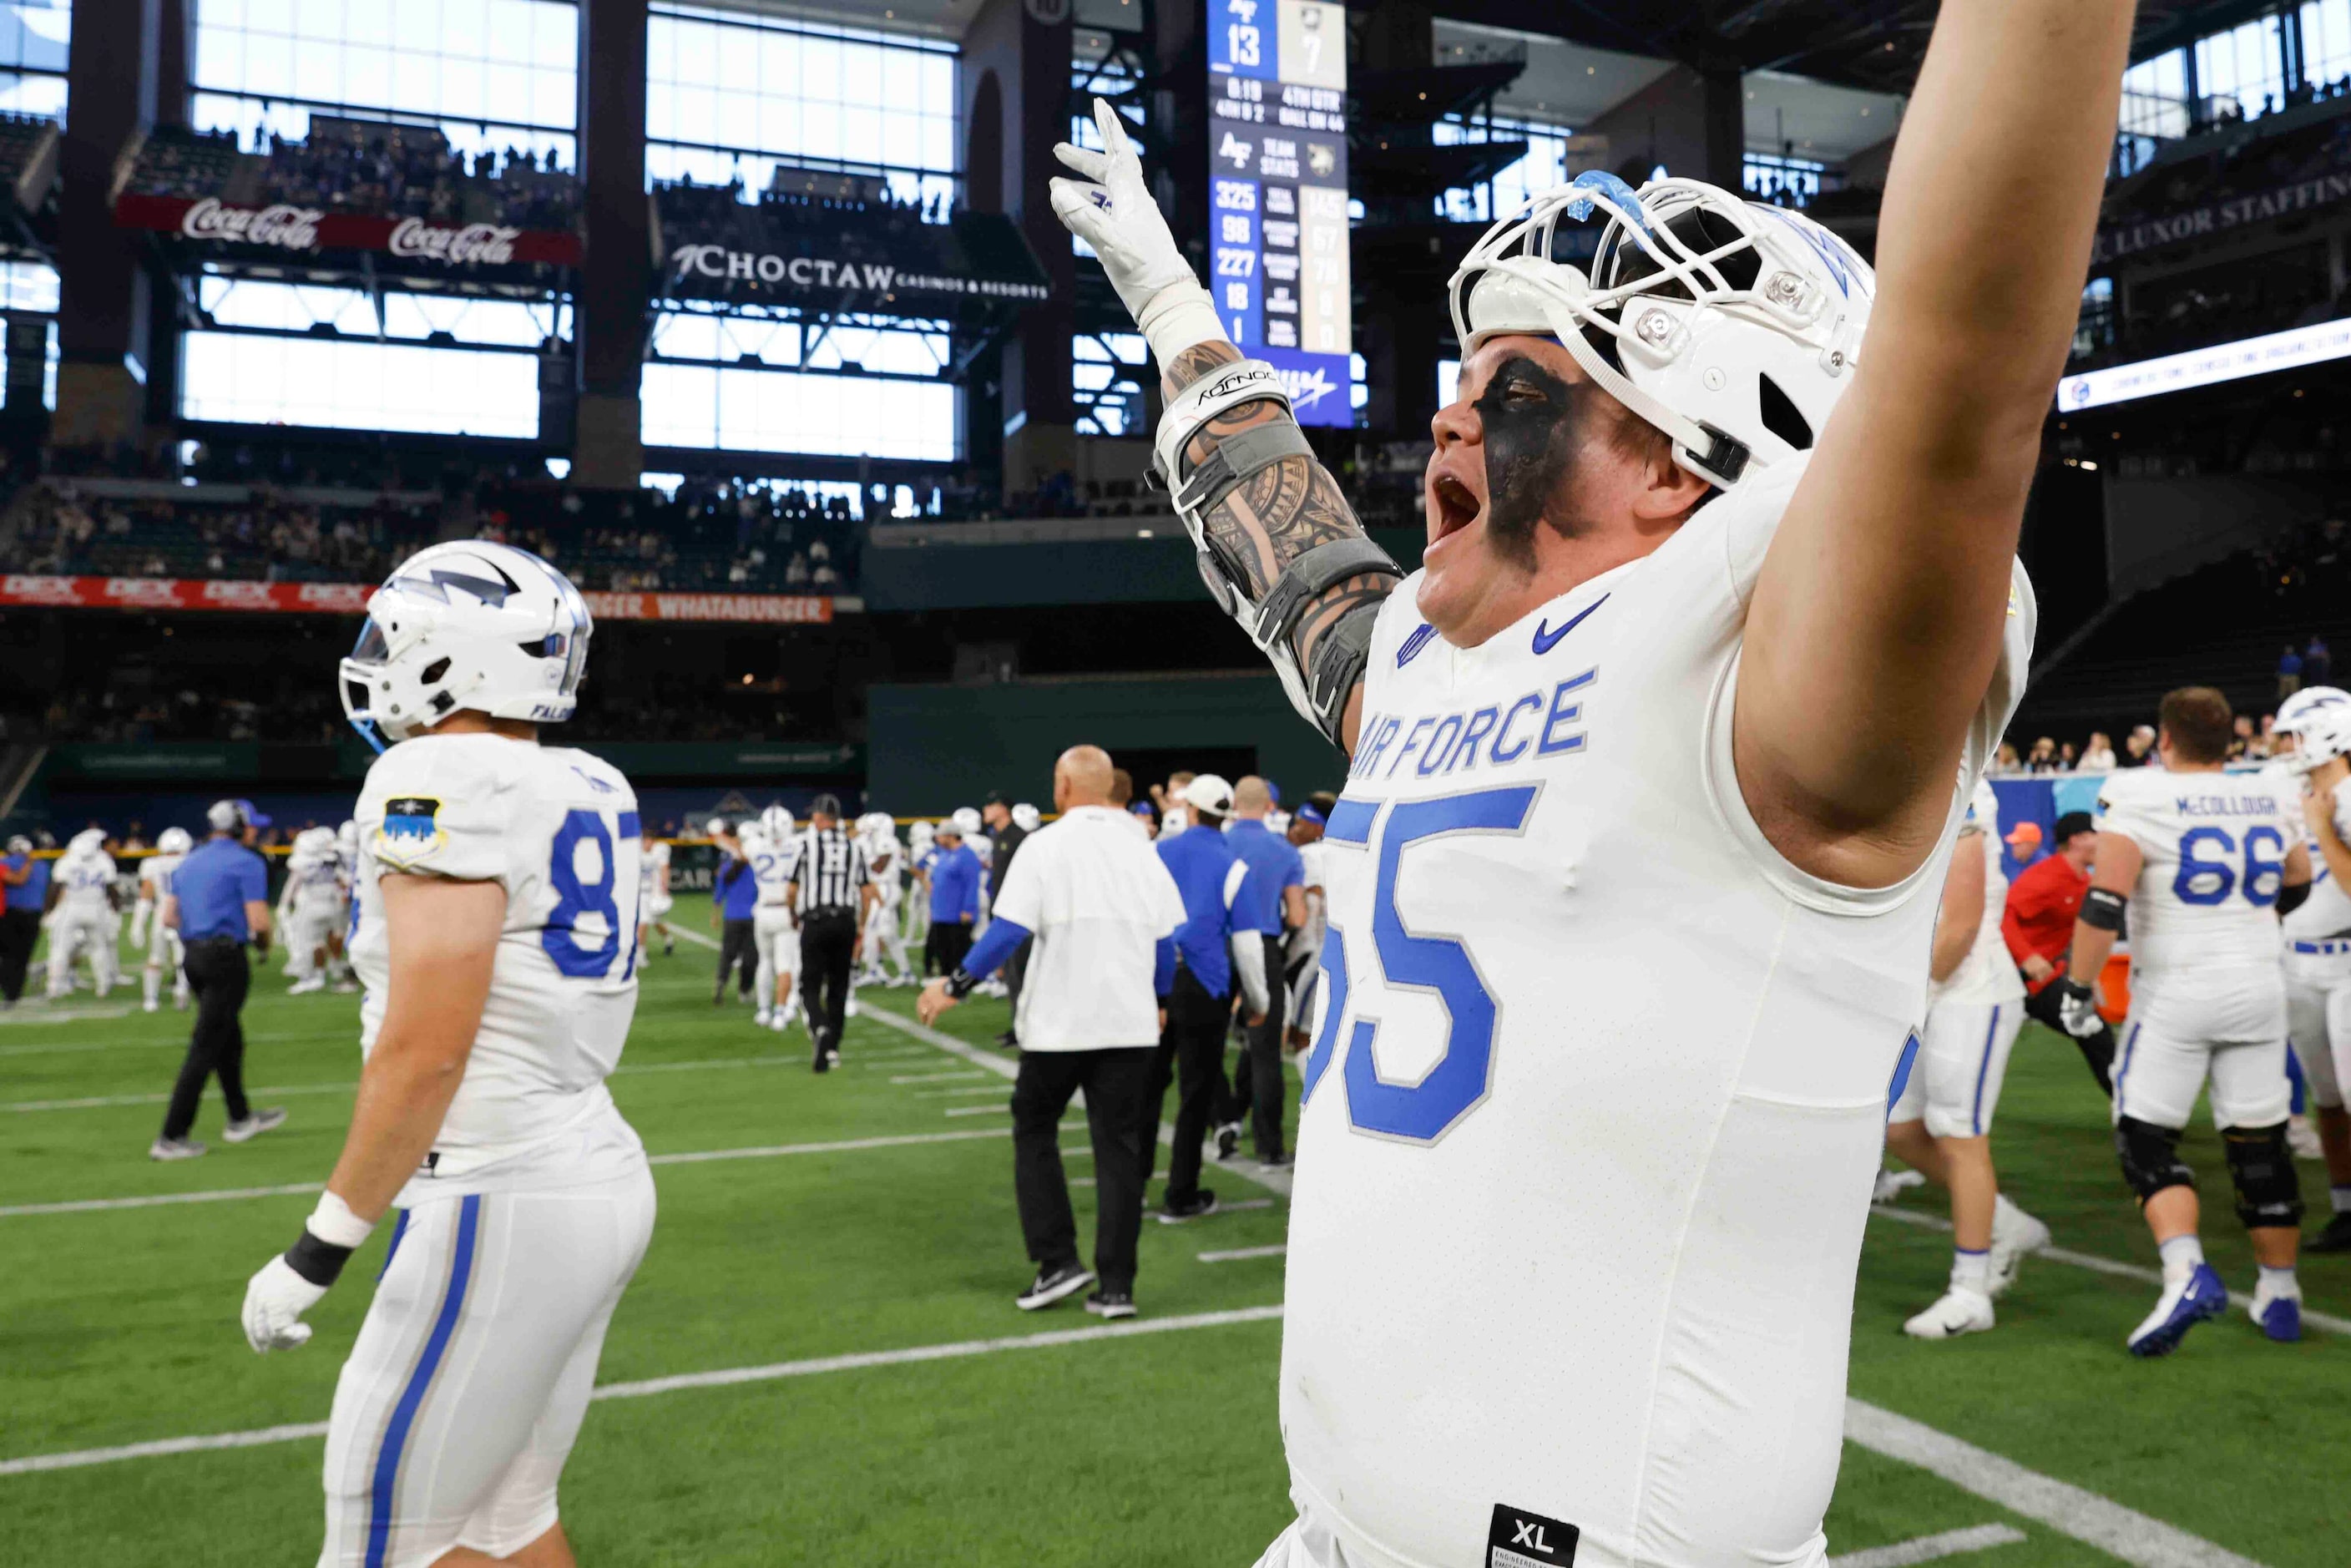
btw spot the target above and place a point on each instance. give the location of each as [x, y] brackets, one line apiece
[1278, 193]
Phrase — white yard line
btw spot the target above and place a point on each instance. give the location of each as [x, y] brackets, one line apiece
[168, 1042]
[1932, 1548]
[2120, 1531]
[1236, 1254]
[2120, 1270]
[726, 1377]
[957, 1093]
[72, 1015]
[980, 1110]
[934, 1077]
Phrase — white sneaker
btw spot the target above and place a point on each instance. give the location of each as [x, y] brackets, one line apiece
[850, 1010]
[258, 1122]
[304, 987]
[780, 1022]
[2014, 1235]
[760, 1019]
[1962, 1311]
[180, 999]
[1892, 1184]
[151, 1006]
[175, 1149]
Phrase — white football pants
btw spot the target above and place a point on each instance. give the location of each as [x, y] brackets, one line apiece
[777, 942]
[91, 934]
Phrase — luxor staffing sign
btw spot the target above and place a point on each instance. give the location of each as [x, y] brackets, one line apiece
[1278, 193]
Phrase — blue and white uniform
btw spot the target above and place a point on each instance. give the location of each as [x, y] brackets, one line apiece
[461, 1398]
[2208, 990]
[775, 931]
[1596, 1093]
[85, 921]
[1974, 1014]
[2318, 971]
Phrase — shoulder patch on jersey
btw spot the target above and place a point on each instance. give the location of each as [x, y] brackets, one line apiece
[411, 830]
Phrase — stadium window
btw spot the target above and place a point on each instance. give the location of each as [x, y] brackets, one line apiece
[2155, 98]
[35, 36]
[2326, 43]
[2241, 72]
[1448, 381]
[730, 95]
[715, 407]
[1359, 390]
[1106, 374]
[242, 378]
[1784, 181]
[493, 75]
[1543, 165]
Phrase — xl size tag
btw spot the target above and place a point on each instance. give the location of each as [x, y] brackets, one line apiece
[1523, 1540]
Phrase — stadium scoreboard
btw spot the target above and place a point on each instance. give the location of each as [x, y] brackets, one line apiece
[1277, 193]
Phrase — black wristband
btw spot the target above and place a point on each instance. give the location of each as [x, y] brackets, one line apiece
[960, 983]
[317, 1261]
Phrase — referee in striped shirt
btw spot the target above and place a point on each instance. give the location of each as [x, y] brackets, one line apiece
[836, 894]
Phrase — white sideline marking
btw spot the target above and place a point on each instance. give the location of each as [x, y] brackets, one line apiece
[1235, 1254]
[1272, 1180]
[71, 1015]
[696, 937]
[932, 1077]
[2085, 1516]
[1931, 1548]
[2120, 1270]
[171, 1042]
[723, 1378]
[690, 1158]
[980, 1110]
[956, 1093]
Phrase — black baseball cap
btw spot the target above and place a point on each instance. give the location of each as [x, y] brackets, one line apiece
[996, 797]
[825, 805]
[2072, 822]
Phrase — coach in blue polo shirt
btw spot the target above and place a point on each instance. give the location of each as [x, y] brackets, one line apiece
[26, 881]
[1277, 881]
[1219, 938]
[954, 876]
[219, 902]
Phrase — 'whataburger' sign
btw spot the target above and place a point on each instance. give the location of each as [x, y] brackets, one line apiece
[29, 592]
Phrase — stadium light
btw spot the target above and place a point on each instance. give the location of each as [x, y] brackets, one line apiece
[2288, 350]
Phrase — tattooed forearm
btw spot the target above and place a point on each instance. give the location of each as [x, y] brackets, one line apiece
[1278, 512]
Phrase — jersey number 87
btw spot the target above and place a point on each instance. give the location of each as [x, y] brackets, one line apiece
[576, 895]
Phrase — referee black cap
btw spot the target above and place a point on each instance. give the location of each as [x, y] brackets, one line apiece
[825, 805]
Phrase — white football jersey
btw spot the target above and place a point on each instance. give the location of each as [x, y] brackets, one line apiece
[83, 881]
[2214, 847]
[2327, 911]
[1597, 1089]
[1987, 976]
[317, 885]
[559, 829]
[155, 876]
[773, 865]
[885, 869]
[653, 859]
[1308, 938]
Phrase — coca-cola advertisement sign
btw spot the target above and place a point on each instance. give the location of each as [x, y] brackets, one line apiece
[290, 228]
[429, 242]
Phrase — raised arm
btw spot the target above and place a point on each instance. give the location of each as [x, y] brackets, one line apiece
[1298, 571]
[1876, 623]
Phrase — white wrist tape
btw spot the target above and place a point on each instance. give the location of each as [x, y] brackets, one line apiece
[334, 1223]
[1180, 317]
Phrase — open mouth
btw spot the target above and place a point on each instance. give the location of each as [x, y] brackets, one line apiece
[1456, 506]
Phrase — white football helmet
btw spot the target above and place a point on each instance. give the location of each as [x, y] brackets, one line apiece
[468, 624]
[89, 841]
[2319, 719]
[921, 835]
[1732, 325]
[315, 843]
[776, 824]
[1026, 818]
[347, 840]
[174, 841]
[967, 821]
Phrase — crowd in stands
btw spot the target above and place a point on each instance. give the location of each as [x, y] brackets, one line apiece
[52, 531]
[2310, 663]
[363, 166]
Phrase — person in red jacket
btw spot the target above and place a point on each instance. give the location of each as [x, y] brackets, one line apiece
[2038, 924]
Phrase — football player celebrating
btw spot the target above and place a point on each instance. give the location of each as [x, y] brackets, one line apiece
[1942, 1124]
[1652, 784]
[2317, 721]
[497, 888]
[2204, 862]
[147, 927]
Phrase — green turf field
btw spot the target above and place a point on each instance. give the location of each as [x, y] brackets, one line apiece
[1149, 1448]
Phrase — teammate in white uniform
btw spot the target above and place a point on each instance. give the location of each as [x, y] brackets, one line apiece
[1653, 763]
[922, 845]
[884, 959]
[83, 922]
[1301, 957]
[653, 895]
[310, 907]
[1941, 1125]
[773, 846]
[2316, 722]
[496, 932]
[2205, 861]
[147, 927]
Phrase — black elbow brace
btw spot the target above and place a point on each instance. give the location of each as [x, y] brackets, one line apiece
[2102, 910]
[2292, 896]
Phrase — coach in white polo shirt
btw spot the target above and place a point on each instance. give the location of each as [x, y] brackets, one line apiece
[1102, 910]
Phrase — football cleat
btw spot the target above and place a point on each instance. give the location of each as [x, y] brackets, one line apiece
[2181, 1307]
[305, 987]
[2014, 1236]
[761, 1019]
[2334, 1238]
[2279, 1313]
[2302, 1139]
[151, 1006]
[1961, 1312]
[1893, 1184]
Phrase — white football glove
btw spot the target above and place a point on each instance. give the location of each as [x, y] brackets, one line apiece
[275, 1301]
[1111, 209]
[2078, 1009]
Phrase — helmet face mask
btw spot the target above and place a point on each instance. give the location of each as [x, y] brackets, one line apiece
[466, 625]
[1732, 325]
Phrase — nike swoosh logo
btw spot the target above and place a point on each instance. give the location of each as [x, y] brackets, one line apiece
[1546, 639]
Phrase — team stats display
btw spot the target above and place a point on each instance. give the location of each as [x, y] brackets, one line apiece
[1278, 193]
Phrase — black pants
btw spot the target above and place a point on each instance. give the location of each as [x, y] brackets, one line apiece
[219, 976]
[2098, 1049]
[1259, 1091]
[1192, 1050]
[945, 949]
[828, 949]
[20, 930]
[738, 949]
[1115, 1081]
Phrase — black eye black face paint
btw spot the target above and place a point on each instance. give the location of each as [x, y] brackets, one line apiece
[1533, 430]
